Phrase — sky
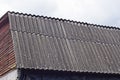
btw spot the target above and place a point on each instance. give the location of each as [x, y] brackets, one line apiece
[103, 12]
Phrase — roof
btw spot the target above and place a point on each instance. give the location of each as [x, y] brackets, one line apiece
[58, 44]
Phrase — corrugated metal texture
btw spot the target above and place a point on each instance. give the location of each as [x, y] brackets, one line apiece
[57, 44]
[7, 57]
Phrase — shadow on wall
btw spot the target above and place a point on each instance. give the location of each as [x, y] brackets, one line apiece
[55, 75]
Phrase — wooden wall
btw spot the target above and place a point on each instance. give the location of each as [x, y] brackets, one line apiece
[7, 57]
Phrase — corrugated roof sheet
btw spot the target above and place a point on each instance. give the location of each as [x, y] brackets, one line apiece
[56, 44]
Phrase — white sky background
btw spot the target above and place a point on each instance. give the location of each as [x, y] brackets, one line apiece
[105, 12]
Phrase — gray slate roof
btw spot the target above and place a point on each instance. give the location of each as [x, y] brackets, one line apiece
[57, 44]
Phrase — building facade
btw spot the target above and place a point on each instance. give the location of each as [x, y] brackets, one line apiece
[34, 47]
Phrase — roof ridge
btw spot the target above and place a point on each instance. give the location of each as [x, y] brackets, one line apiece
[68, 20]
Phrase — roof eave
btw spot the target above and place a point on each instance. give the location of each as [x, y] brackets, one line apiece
[4, 19]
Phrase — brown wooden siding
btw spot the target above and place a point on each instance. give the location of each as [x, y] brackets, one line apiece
[7, 57]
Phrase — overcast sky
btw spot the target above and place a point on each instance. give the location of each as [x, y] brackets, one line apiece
[105, 12]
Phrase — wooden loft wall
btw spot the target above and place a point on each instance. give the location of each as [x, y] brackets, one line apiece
[7, 56]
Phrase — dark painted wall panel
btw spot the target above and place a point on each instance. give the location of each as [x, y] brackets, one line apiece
[56, 75]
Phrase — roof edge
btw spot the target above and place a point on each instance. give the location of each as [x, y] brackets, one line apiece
[4, 19]
[67, 20]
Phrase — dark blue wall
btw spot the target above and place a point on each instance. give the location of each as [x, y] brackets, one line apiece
[54, 75]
